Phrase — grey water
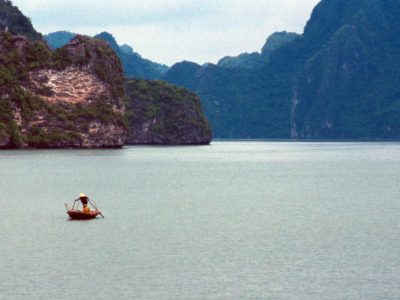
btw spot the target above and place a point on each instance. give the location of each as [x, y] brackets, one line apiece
[234, 220]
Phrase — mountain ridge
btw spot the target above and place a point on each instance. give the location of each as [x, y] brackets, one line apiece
[256, 60]
[135, 66]
[335, 81]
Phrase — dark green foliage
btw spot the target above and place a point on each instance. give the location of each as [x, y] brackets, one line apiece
[103, 67]
[133, 64]
[185, 74]
[38, 55]
[8, 128]
[349, 87]
[100, 111]
[340, 79]
[27, 120]
[10, 67]
[247, 103]
[241, 104]
[38, 138]
[173, 115]
[65, 122]
[15, 22]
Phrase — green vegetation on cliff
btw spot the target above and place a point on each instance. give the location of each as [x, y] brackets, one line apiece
[348, 87]
[240, 103]
[338, 80]
[27, 120]
[160, 113]
[13, 21]
[73, 96]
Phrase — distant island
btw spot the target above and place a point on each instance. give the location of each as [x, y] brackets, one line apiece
[77, 96]
[338, 80]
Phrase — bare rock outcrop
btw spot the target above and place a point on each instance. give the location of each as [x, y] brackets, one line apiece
[70, 98]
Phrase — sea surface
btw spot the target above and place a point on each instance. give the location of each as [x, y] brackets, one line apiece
[234, 220]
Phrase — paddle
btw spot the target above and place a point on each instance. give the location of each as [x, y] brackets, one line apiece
[95, 206]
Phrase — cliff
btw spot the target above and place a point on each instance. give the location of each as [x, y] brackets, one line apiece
[72, 97]
[338, 80]
[241, 102]
[348, 88]
[160, 113]
[13, 21]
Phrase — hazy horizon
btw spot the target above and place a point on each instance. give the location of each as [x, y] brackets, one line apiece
[174, 30]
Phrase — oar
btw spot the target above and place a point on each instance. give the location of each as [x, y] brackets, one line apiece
[95, 206]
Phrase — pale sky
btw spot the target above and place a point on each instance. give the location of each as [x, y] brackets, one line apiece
[169, 31]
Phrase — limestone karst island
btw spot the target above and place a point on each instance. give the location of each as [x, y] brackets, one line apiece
[77, 96]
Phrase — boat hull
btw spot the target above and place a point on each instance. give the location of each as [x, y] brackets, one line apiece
[79, 215]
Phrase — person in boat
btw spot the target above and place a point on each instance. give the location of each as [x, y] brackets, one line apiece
[84, 199]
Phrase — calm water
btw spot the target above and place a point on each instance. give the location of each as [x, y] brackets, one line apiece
[236, 220]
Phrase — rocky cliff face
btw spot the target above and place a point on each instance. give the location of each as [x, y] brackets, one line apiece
[338, 80]
[160, 113]
[72, 97]
[242, 101]
[349, 87]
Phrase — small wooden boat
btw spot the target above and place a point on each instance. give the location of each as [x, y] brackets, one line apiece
[86, 213]
[80, 215]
